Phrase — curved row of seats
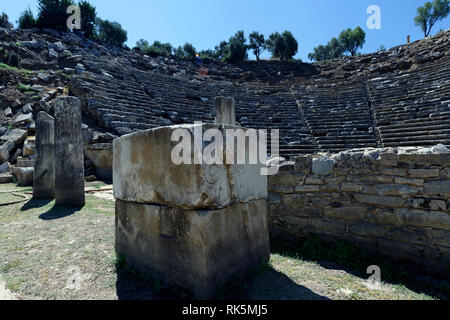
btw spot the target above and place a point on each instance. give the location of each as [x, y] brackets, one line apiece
[397, 108]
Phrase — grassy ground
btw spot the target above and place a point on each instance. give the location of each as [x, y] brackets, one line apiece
[68, 253]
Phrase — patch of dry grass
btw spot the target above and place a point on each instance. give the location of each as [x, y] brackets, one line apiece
[68, 253]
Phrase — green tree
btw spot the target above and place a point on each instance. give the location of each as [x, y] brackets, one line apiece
[209, 54]
[27, 20]
[257, 43]
[430, 13]
[160, 49]
[332, 50]
[282, 46]
[178, 52]
[4, 21]
[88, 18]
[142, 44]
[111, 32]
[221, 50]
[189, 51]
[52, 14]
[351, 40]
[236, 49]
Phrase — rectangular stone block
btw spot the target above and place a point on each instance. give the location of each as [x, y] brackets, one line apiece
[391, 190]
[44, 178]
[197, 250]
[24, 176]
[437, 188]
[400, 251]
[394, 172]
[350, 187]
[225, 110]
[307, 188]
[328, 225]
[414, 235]
[144, 170]
[382, 201]
[6, 178]
[25, 163]
[423, 173]
[422, 218]
[347, 213]
[409, 181]
[102, 156]
[69, 158]
[368, 229]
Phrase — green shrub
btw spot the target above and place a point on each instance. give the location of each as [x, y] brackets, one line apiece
[282, 46]
[27, 20]
[4, 21]
[88, 19]
[111, 32]
[53, 14]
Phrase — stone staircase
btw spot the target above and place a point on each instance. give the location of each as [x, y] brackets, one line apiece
[124, 99]
[338, 115]
[401, 98]
[413, 108]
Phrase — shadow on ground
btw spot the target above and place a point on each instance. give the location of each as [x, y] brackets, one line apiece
[264, 283]
[355, 261]
[59, 212]
[35, 204]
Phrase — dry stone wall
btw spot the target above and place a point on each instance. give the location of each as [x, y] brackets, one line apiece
[391, 202]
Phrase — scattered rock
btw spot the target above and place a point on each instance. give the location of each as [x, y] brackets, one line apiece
[23, 119]
[15, 135]
[8, 112]
[322, 166]
[27, 108]
[5, 167]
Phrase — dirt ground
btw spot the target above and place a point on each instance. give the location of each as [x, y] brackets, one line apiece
[68, 253]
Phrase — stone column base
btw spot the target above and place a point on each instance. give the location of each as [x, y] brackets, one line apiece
[199, 250]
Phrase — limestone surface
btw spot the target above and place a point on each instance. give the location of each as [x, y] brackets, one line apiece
[44, 176]
[69, 164]
[144, 172]
[196, 249]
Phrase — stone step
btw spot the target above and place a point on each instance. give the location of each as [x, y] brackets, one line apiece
[416, 143]
[417, 138]
[6, 178]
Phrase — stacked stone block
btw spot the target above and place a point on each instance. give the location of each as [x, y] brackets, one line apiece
[392, 202]
[69, 161]
[44, 177]
[192, 225]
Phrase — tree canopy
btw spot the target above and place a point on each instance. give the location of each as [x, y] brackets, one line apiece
[187, 52]
[332, 50]
[52, 14]
[430, 13]
[235, 50]
[111, 32]
[257, 43]
[4, 21]
[88, 19]
[282, 46]
[352, 40]
[27, 20]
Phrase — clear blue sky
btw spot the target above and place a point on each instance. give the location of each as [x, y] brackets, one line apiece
[205, 23]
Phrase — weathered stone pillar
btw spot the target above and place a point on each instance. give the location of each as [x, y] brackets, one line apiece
[192, 225]
[69, 165]
[44, 167]
[225, 110]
